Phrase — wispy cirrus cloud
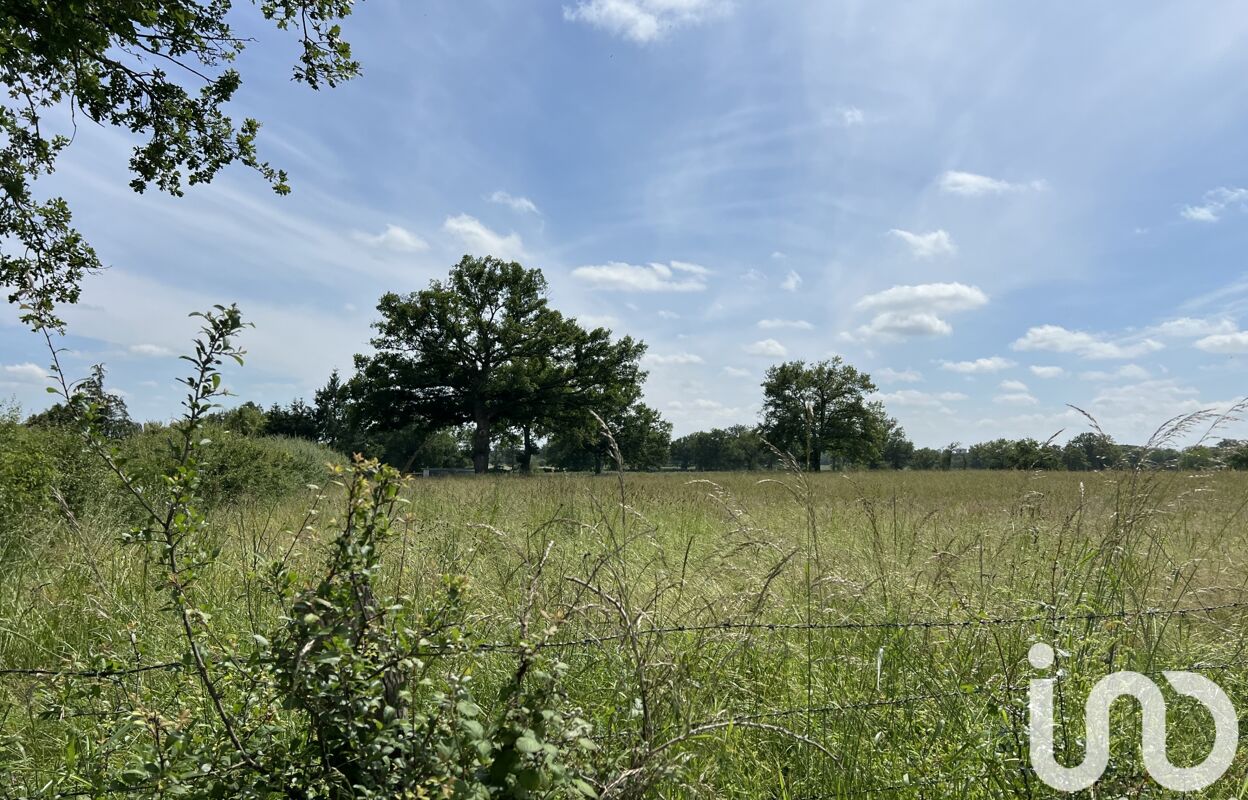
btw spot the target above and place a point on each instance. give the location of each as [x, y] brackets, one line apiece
[674, 276]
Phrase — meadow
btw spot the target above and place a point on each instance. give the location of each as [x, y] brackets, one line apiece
[775, 634]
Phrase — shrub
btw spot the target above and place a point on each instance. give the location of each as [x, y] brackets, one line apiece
[26, 472]
[233, 467]
[340, 701]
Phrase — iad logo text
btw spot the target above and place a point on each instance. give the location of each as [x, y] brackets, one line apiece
[1153, 735]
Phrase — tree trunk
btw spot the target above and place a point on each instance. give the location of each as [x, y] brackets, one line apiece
[481, 443]
[816, 456]
[526, 454]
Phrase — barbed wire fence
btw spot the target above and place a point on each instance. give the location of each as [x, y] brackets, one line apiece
[809, 710]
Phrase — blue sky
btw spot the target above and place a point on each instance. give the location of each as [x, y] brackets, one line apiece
[995, 209]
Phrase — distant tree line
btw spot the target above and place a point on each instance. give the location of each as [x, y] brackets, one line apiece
[478, 370]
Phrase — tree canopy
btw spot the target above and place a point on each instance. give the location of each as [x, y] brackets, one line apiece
[821, 408]
[484, 348]
[157, 68]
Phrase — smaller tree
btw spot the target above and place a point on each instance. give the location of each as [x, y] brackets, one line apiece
[897, 450]
[641, 434]
[1090, 450]
[297, 420]
[925, 458]
[820, 408]
[335, 422]
[107, 410]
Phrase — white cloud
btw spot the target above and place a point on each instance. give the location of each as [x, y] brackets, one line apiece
[1185, 327]
[1055, 338]
[898, 325]
[1225, 343]
[395, 238]
[481, 241]
[644, 21]
[791, 281]
[701, 409]
[25, 373]
[618, 276]
[1215, 202]
[890, 375]
[913, 398]
[1047, 372]
[150, 350]
[932, 297]
[1143, 407]
[1013, 386]
[672, 359]
[665, 314]
[1015, 398]
[1132, 372]
[851, 116]
[775, 324]
[907, 311]
[927, 245]
[522, 204]
[779, 255]
[767, 347]
[971, 185]
[978, 366]
[737, 372]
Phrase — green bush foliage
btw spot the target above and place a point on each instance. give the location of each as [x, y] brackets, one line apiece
[233, 467]
[335, 698]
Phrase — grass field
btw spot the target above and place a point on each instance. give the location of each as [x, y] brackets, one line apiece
[743, 635]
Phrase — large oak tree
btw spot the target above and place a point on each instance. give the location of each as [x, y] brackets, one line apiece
[813, 409]
[484, 348]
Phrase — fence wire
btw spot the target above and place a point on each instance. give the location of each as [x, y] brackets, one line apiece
[809, 710]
